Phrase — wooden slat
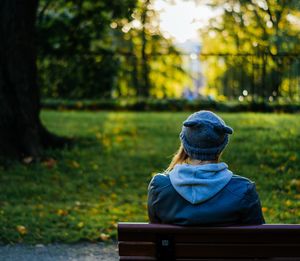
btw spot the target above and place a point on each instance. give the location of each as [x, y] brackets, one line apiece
[236, 250]
[124, 226]
[214, 238]
[143, 258]
[137, 258]
[213, 250]
[261, 234]
[137, 249]
[260, 238]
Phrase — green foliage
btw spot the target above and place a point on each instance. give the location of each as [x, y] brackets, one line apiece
[97, 49]
[265, 29]
[70, 27]
[86, 76]
[152, 66]
[75, 58]
[81, 193]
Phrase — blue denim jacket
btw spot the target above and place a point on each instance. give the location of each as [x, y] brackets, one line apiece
[208, 195]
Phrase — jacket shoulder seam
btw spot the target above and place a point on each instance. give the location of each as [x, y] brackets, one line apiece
[240, 196]
[156, 185]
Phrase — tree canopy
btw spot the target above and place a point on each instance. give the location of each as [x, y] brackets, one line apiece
[263, 36]
[94, 49]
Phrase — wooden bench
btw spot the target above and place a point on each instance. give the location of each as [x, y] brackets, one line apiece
[143, 241]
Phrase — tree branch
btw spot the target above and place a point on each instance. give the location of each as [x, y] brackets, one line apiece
[40, 15]
[270, 13]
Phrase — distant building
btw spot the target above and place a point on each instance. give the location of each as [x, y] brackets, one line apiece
[192, 65]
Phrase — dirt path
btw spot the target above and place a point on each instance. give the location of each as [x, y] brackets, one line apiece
[59, 252]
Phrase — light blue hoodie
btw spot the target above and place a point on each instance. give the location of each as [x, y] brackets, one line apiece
[203, 195]
[198, 183]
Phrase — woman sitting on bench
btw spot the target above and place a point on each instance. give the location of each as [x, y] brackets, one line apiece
[196, 188]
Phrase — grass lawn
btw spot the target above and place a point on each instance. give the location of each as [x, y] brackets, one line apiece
[81, 193]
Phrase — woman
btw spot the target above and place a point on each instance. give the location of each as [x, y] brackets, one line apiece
[196, 188]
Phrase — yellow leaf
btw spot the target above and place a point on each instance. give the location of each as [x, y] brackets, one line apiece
[21, 229]
[114, 224]
[95, 166]
[295, 183]
[104, 237]
[119, 139]
[264, 209]
[288, 203]
[75, 164]
[62, 212]
[94, 211]
[98, 135]
[80, 224]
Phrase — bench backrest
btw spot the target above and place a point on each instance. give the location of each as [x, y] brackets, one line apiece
[143, 241]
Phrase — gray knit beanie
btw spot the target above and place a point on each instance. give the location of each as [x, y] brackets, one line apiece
[204, 135]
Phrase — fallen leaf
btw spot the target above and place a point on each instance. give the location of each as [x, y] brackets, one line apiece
[27, 160]
[80, 225]
[288, 203]
[22, 229]
[62, 212]
[75, 164]
[295, 183]
[49, 163]
[104, 237]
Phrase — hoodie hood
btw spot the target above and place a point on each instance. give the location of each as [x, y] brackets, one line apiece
[198, 183]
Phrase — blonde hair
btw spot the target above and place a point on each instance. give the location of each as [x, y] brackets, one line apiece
[181, 157]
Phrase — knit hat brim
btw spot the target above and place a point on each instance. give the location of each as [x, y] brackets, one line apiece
[203, 154]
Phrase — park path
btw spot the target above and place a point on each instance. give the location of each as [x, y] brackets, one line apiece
[59, 252]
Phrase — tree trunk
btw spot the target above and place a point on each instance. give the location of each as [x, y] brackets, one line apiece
[144, 90]
[133, 61]
[21, 131]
